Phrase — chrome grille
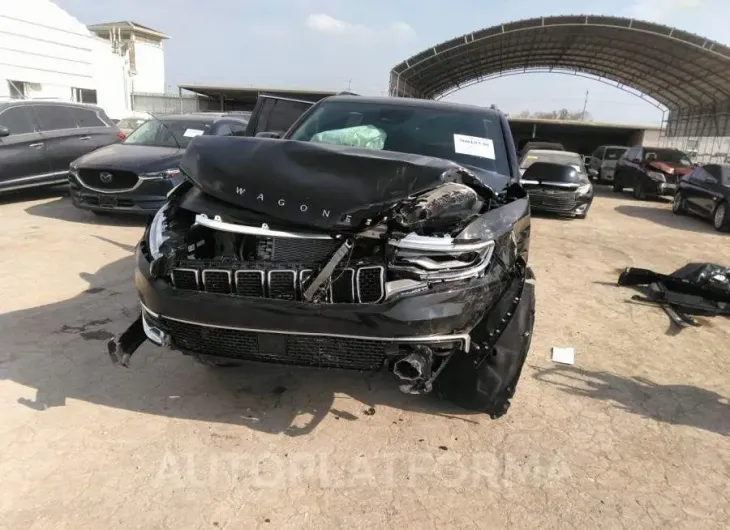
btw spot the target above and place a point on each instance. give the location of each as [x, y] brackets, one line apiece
[553, 200]
[349, 285]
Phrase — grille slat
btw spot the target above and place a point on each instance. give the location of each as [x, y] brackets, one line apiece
[350, 285]
[250, 283]
[301, 350]
[217, 281]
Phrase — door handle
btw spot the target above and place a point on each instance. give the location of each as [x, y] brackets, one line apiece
[39, 144]
[85, 138]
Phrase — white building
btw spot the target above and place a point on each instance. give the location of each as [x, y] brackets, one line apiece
[142, 46]
[46, 53]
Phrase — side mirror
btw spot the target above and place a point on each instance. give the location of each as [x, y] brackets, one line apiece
[4, 131]
[270, 134]
[592, 172]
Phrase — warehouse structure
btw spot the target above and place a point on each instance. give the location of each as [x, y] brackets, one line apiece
[684, 75]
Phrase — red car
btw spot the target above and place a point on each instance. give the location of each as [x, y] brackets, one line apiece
[651, 171]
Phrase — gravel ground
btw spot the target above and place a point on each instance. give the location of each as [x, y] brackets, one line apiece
[634, 435]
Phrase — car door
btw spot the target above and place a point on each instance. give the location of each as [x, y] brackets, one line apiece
[64, 140]
[22, 152]
[622, 171]
[595, 161]
[275, 115]
[708, 189]
[634, 167]
[94, 122]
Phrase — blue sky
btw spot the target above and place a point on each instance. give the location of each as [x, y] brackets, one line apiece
[333, 44]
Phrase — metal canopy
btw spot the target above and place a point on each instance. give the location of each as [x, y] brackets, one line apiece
[676, 69]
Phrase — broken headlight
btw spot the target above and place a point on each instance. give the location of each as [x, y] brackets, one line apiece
[156, 233]
[439, 258]
[656, 176]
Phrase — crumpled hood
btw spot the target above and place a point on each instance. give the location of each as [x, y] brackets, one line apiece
[318, 185]
[670, 168]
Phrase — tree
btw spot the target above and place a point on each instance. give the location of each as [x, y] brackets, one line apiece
[561, 114]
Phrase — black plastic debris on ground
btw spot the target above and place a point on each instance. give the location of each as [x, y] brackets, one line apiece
[695, 289]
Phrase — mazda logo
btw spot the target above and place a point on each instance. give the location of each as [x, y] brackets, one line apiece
[105, 177]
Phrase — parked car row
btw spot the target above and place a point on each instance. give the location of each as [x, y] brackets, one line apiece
[39, 140]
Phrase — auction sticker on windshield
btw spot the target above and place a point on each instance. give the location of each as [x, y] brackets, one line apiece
[474, 146]
[190, 133]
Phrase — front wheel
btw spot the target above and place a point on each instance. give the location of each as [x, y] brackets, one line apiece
[618, 188]
[678, 205]
[639, 192]
[720, 218]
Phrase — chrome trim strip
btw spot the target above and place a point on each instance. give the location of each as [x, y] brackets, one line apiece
[154, 334]
[36, 177]
[218, 224]
[64, 180]
[288, 271]
[381, 277]
[194, 271]
[438, 244]
[227, 273]
[244, 271]
[463, 337]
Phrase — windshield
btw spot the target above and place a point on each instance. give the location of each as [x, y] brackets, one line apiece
[167, 133]
[463, 136]
[130, 123]
[614, 153]
[556, 157]
[670, 156]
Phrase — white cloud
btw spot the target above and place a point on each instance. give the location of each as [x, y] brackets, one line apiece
[659, 10]
[329, 25]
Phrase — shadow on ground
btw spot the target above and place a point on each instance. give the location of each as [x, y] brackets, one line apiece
[33, 194]
[64, 210]
[58, 351]
[672, 404]
[662, 215]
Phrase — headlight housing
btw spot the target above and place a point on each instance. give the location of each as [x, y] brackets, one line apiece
[585, 189]
[657, 176]
[439, 258]
[161, 175]
[156, 233]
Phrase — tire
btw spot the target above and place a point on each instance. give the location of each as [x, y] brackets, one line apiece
[616, 186]
[638, 191]
[721, 217]
[678, 204]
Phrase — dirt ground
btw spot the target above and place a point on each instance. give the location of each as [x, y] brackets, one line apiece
[635, 435]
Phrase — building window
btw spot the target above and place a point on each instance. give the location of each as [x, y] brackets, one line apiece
[17, 89]
[83, 95]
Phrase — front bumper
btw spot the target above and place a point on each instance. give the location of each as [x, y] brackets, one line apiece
[561, 204]
[146, 198]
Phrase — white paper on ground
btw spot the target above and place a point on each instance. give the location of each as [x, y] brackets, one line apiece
[564, 355]
[189, 133]
[474, 146]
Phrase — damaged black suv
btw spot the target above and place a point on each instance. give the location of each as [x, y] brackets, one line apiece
[378, 233]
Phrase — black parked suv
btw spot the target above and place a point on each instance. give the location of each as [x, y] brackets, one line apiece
[40, 138]
[136, 175]
[379, 233]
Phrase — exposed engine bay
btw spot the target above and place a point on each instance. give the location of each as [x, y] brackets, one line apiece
[407, 283]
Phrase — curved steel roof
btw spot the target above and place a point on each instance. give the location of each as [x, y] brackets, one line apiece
[675, 68]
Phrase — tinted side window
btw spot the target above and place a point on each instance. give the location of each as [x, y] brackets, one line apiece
[238, 129]
[55, 117]
[18, 120]
[88, 118]
[224, 129]
[279, 114]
